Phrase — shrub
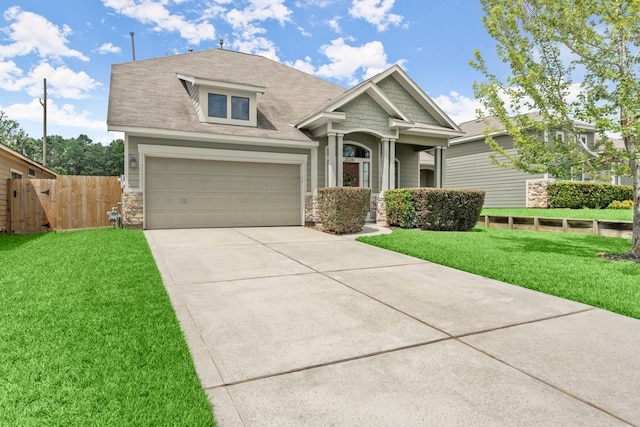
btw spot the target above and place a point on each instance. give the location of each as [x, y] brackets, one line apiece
[624, 204]
[447, 210]
[592, 195]
[399, 208]
[343, 210]
[434, 208]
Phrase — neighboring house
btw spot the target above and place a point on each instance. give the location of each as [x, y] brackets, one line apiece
[220, 138]
[14, 165]
[468, 164]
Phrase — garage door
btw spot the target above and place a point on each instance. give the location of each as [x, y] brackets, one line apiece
[189, 193]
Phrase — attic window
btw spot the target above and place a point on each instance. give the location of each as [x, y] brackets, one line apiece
[32, 172]
[239, 108]
[217, 105]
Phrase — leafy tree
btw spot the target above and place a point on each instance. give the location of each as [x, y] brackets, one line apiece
[13, 136]
[572, 60]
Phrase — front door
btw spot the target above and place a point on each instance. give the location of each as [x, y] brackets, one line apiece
[351, 174]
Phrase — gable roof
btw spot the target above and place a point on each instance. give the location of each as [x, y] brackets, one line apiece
[327, 111]
[14, 153]
[148, 95]
[474, 129]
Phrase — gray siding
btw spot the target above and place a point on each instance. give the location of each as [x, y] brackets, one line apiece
[133, 179]
[468, 167]
[405, 102]
[364, 113]
[409, 160]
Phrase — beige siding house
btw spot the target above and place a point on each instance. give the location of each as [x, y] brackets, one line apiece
[219, 138]
[14, 165]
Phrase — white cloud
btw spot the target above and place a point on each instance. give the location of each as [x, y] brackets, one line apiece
[347, 60]
[108, 48]
[304, 66]
[156, 13]
[64, 115]
[61, 81]
[376, 12]
[334, 24]
[259, 10]
[459, 107]
[30, 33]
[248, 35]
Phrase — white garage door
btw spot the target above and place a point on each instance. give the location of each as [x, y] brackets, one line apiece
[189, 193]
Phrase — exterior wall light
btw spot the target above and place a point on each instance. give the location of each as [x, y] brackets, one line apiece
[133, 161]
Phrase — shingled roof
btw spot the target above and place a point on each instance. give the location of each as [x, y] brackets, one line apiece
[148, 94]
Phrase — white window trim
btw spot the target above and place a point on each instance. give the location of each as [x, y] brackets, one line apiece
[560, 136]
[12, 171]
[359, 160]
[203, 111]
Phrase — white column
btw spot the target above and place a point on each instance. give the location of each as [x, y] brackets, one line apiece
[314, 170]
[385, 165]
[392, 163]
[340, 158]
[439, 166]
[331, 179]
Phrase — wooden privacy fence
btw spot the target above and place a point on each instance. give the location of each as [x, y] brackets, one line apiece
[65, 203]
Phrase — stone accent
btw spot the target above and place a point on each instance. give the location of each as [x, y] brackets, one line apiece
[381, 211]
[311, 209]
[537, 196]
[132, 209]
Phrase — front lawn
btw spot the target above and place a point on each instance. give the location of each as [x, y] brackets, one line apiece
[89, 337]
[561, 264]
[610, 214]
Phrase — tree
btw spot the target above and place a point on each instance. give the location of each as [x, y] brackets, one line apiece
[13, 136]
[571, 60]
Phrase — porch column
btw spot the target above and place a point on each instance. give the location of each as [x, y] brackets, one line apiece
[385, 165]
[438, 155]
[340, 157]
[331, 179]
[314, 170]
[392, 163]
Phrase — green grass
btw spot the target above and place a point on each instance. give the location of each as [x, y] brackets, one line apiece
[561, 264]
[610, 214]
[88, 335]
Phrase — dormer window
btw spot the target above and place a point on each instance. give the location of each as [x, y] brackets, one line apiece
[223, 102]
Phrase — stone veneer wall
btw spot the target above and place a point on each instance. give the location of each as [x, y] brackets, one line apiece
[537, 196]
[132, 209]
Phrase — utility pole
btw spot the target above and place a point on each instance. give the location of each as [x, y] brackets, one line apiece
[133, 46]
[44, 126]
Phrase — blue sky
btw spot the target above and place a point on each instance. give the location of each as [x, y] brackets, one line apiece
[72, 43]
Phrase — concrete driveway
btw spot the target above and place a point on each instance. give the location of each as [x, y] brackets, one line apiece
[289, 326]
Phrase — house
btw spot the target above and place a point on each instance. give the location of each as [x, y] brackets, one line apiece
[468, 164]
[14, 165]
[219, 138]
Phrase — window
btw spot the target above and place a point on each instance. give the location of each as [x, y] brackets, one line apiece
[32, 172]
[217, 105]
[239, 108]
[16, 175]
[560, 136]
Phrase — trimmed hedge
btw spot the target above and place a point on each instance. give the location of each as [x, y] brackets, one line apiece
[343, 210]
[592, 195]
[621, 204]
[434, 208]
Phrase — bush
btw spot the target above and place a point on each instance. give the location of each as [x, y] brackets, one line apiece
[624, 204]
[592, 195]
[434, 208]
[343, 210]
[400, 210]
